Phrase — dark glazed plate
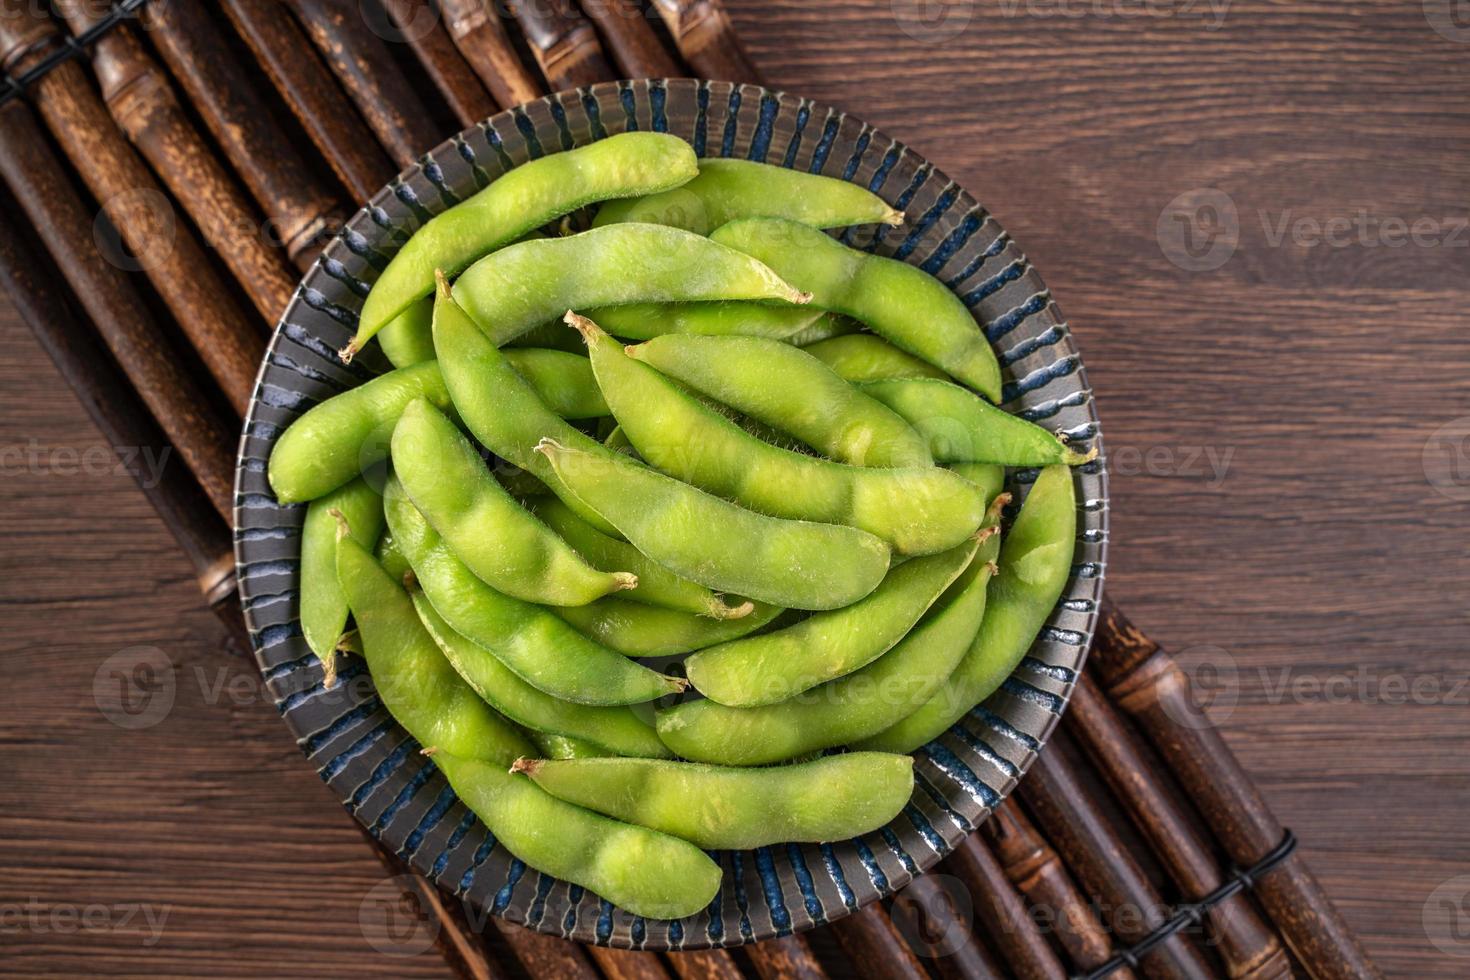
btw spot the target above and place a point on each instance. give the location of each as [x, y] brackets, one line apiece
[372, 763]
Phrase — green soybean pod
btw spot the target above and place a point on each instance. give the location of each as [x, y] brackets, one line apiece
[408, 338]
[796, 564]
[1034, 564]
[791, 391]
[619, 729]
[724, 190]
[538, 647]
[635, 629]
[390, 556]
[414, 681]
[521, 287]
[644, 321]
[483, 525]
[917, 510]
[323, 604]
[960, 427]
[522, 199]
[716, 807]
[335, 441]
[782, 664]
[657, 585]
[858, 357]
[643, 871]
[844, 710]
[905, 305]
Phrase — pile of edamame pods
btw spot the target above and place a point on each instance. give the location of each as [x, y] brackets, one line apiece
[701, 434]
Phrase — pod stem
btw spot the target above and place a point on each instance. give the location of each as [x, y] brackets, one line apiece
[590, 331]
[428, 750]
[625, 580]
[527, 766]
[347, 353]
[342, 529]
[894, 218]
[992, 513]
[718, 610]
[1071, 458]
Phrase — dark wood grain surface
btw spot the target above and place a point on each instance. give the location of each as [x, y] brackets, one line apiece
[1268, 422]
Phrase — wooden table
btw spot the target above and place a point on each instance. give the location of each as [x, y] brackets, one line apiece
[1268, 409]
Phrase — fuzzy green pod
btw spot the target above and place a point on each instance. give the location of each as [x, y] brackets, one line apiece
[717, 807]
[637, 629]
[323, 604]
[858, 357]
[643, 321]
[726, 189]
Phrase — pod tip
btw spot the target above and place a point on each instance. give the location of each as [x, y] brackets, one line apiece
[350, 351]
[342, 529]
[527, 766]
[624, 580]
[582, 325]
[1073, 458]
[719, 610]
[894, 217]
[547, 445]
[428, 750]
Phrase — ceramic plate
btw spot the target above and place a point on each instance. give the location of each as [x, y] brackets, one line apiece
[375, 767]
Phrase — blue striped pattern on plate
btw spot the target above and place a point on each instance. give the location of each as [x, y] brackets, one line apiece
[375, 767]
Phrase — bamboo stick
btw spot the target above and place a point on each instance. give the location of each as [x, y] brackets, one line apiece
[705, 964]
[419, 24]
[229, 344]
[1143, 679]
[630, 40]
[869, 939]
[138, 94]
[1248, 946]
[364, 66]
[1002, 914]
[315, 99]
[941, 932]
[38, 180]
[564, 43]
[1078, 829]
[627, 964]
[785, 958]
[302, 209]
[1036, 871]
[480, 36]
[707, 40]
[541, 955]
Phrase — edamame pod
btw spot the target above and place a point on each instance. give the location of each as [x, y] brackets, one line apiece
[792, 392]
[515, 289]
[989, 477]
[842, 711]
[962, 428]
[538, 647]
[657, 586]
[323, 604]
[728, 189]
[637, 869]
[796, 564]
[917, 510]
[496, 538]
[857, 357]
[715, 807]
[414, 681]
[897, 301]
[626, 165]
[1034, 564]
[335, 441]
[635, 629]
[780, 665]
[642, 321]
[408, 338]
[620, 729]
